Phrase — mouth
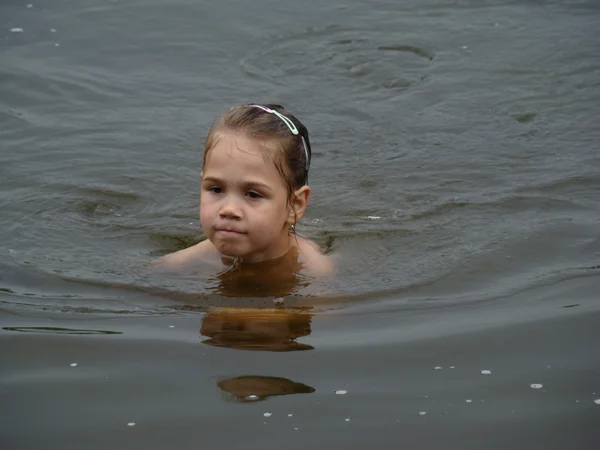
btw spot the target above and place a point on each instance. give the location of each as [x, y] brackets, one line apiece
[229, 232]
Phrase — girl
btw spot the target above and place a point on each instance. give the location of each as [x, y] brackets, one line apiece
[253, 192]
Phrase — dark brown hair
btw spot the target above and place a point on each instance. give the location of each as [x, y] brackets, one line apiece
[288, 155]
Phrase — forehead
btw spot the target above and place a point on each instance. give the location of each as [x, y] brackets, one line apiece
[237, 149]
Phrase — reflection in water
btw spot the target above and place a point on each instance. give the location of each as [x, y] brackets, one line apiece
[252, 388]
[273, 330]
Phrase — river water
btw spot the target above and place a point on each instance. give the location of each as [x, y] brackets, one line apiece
[455, 177]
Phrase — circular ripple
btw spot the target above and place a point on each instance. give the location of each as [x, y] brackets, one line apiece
[335, 55]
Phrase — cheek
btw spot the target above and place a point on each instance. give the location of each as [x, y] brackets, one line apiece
[205, 213]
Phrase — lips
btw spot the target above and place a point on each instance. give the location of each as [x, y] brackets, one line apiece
[229, 231]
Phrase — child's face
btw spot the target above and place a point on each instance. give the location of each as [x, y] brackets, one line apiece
[244, 207]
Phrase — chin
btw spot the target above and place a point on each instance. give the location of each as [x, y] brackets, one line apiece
[230, 251]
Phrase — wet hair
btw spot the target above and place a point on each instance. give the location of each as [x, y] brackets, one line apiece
[288, 154]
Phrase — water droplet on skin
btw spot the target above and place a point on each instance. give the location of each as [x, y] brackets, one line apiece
[486, 372]
[422, 413]
[73, 364]
[537, 386]
[131, 424]
[267, 414]
[341, 392]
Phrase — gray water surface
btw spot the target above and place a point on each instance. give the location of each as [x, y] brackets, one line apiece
[455, 177]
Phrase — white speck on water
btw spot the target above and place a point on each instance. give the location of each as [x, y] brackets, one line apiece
[437, 368]
[131, 424]
[29, 5]
[52, 30]
[290, 415]
[469, 400]
[16, 30]
[597, 401]
[347, 419]
[422, 413]
[374, 217]
[537, 386]
[252, 397]
[452, 367]
[341, 392]
[486, 372]
[295, 429]
[267, 414]
[56, 44]
[12, 252]
[464, 47]
[73, 364]
[279, 301]
[576, 401]
[171, 326]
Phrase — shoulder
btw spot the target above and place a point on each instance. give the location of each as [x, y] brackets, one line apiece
[203, 252]
[313, 258]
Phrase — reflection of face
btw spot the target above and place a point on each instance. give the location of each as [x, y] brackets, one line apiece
[273, 330]
[243, 201]
[256, 387]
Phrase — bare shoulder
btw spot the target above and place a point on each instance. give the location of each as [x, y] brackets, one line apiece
[203, 252]
[315, 261]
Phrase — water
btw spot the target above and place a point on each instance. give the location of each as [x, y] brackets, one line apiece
[456, 178]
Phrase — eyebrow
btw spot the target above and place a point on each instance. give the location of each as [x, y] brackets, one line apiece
[250, 183]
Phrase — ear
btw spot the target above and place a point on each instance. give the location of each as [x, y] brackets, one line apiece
[298, 202]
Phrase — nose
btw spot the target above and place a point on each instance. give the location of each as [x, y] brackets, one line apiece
[230, 209]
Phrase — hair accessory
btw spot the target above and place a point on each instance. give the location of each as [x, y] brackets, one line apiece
[292, 128]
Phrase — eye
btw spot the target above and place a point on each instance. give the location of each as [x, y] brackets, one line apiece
[254, 194]
[215, 189]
